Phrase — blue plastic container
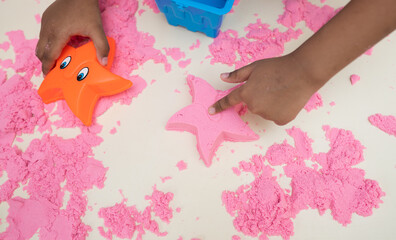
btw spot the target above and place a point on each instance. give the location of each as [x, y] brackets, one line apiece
[196, 15]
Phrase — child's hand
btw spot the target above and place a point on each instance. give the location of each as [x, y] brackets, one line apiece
[66, 18]
[276, 89]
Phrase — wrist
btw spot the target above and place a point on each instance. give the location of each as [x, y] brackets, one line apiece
[312, 72]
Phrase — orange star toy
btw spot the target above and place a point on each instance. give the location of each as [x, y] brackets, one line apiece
[81, 80]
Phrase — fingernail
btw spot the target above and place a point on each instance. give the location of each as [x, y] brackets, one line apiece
[212, 110]
[224, 75]
[104, 61]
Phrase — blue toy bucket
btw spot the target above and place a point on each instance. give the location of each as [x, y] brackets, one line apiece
[196, 15]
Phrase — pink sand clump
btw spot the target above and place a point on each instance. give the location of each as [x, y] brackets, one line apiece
[5, 46]
[136, 47]
[175, 53]
[151, 4]
[160, 204]
[21, 108]
[123, 221]
[260, 42]
[38, 18]
[385, 123]
[25, 58]
[181, 165]
[195, 45]
[279, 154]
[314, 102]
[184, 63]
[302, 10]
[354, 78]
[337, 186]
[263, 209]
[302, 143]
[43, 168]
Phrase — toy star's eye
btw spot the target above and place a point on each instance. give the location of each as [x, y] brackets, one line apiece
[65, 62]
[82, 74]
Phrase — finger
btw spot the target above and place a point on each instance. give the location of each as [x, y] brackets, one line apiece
[51, 50]
[239, 75]
[40, 47]
[99, 39]
[232, 99]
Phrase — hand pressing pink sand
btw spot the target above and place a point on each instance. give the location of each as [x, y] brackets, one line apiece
[210, 130]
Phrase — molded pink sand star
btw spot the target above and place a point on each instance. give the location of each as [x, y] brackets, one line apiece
[210, 130]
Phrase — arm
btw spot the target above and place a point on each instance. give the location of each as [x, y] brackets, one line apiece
[64, 19]
[277, 89]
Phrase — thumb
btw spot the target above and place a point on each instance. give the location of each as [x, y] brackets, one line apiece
[232, 99]
[101, 45]
[239, 75]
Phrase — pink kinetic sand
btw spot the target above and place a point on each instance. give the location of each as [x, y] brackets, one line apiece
[254, 166]
[209, 130]
[25, 58]
[160, 204]
[261, 208]
[181, 165]
[260, 42]
[302, 143]
[5, 46]
[369, 51]
[184, 63]
[152, 5]
[354, 78]
[314, 102]
[279, 154]
[122, 221]
[175, 53]
[141, 11]
[302, 10]
[38, 18]
[385, 123]
[21, 108]
[44, 167]
[236, 171]
[336, 186]
[164, 179]
[113, 130]
[195, 45]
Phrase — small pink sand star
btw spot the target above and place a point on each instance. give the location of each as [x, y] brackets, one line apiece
[210, 130]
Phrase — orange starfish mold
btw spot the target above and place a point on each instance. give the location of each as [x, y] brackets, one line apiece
[81, 80]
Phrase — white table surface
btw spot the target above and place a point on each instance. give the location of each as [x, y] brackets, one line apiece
[142, 150]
